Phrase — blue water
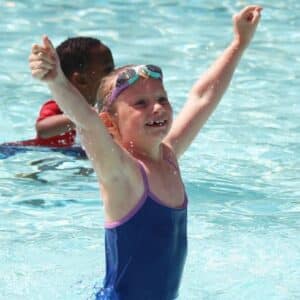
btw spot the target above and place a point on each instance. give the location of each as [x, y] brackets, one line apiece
[242, 174]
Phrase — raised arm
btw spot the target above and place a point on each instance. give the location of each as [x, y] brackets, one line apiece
[105, 154]
[45, 66]
[209, 89]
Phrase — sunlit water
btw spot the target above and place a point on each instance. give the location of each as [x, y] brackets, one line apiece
[242, 174]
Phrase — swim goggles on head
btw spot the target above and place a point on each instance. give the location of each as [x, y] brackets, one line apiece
[130, 75]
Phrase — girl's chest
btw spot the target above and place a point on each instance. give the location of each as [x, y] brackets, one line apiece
[167, 186]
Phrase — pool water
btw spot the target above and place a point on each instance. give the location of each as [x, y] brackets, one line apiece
[242, 173]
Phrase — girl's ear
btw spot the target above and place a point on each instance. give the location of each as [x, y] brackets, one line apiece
[110, 125]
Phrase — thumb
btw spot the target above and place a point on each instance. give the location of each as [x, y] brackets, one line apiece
[50, 49]
[48, 44]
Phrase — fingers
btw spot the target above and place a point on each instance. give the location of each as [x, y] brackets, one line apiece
[41, 56]
[256, 16]
[39, 73]
[250, 8]
[42, 60]
[40, 64]
[45, 50]
[37, 48]
[245, 23]
[251, 13]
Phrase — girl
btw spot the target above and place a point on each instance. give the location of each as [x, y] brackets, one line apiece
[136, 161]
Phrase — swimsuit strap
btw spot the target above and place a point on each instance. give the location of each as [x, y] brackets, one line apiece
[146, 184]
[144, 176]
[143, 171]
[138, 205]
[168, 160]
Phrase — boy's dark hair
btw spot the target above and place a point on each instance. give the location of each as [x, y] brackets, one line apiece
[75, 53]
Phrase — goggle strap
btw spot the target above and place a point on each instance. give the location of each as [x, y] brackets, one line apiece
[138, 72]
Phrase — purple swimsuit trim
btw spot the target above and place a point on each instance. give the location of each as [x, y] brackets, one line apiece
[157, 200]
[141, 202]
[136, 208]
[129, 215]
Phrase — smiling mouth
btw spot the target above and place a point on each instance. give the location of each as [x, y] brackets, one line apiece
[156, 123]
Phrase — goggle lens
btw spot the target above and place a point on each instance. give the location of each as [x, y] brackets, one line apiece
[131, 75]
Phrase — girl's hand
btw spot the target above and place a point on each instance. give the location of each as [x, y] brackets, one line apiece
[44, 62]
[245, 23]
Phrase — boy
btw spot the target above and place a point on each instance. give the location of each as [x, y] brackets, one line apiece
[84, 61]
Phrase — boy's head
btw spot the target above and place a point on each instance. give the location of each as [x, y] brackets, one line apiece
[85, 61]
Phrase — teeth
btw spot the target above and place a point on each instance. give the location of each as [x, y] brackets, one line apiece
[159, 123]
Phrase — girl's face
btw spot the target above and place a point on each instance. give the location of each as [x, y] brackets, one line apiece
[143, 113]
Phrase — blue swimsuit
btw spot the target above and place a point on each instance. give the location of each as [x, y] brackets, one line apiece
[145, 251]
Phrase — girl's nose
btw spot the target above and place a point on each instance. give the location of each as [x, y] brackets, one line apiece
[157, 107]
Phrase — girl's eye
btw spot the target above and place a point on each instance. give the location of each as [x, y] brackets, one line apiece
[140, 103]
[163, 100]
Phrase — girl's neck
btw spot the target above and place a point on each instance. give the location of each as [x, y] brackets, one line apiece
[146, 153]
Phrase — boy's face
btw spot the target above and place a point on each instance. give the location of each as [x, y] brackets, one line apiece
[101, 64]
